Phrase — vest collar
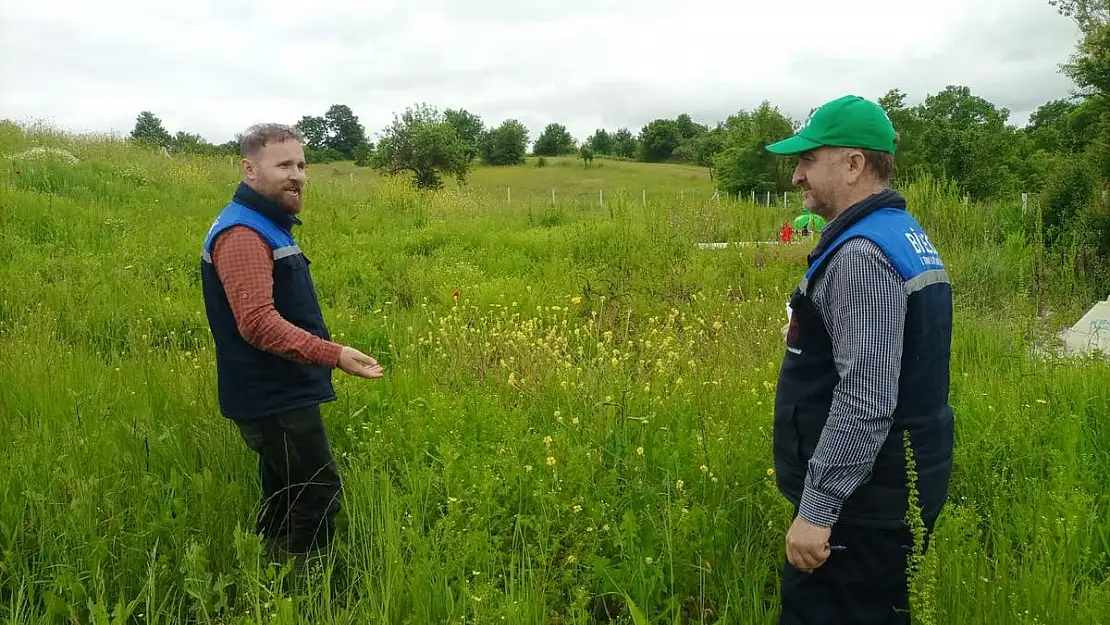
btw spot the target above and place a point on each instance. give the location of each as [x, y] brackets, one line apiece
[268, 208]
[887, 198]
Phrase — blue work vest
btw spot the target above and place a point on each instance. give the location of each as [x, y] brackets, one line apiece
[253, 383]
[808, 377]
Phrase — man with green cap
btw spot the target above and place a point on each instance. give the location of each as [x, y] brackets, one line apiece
[868, 345]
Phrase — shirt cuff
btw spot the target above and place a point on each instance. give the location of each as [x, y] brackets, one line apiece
[329, 354]
[818, 508]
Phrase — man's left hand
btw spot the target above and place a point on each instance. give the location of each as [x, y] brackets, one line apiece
[807, 545]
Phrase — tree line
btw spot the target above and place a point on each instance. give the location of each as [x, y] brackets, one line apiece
[1063, 152]
[952, 134]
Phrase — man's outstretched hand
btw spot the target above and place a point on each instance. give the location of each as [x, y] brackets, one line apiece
[359, 364]
[807, 545]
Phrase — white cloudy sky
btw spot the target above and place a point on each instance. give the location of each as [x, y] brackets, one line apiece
[217, 66]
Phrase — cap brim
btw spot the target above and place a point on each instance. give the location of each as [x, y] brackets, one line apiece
[792, 145]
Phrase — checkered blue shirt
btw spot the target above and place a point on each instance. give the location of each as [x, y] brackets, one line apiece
[863, 304]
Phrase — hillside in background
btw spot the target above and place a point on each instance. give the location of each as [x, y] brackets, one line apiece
[571, 179]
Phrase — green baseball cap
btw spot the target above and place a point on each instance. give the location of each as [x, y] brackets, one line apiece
[848, 122]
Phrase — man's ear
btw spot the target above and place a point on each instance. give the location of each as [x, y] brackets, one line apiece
[247, 167]
[857, 162]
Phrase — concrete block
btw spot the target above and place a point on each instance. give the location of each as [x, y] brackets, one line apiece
[1091, 333]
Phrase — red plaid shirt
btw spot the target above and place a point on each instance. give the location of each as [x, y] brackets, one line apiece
[245, 265]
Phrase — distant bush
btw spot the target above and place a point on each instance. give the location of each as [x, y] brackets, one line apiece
[1071, 189]
[364, 153]
[322, 155]
[1095, 225]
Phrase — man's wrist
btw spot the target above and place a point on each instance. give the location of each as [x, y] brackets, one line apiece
[330, 353]
[818, 508]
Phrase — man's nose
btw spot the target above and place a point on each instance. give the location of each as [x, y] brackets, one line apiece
[798, 178]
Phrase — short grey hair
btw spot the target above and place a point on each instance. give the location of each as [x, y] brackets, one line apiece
[882, 165]
[259, 135]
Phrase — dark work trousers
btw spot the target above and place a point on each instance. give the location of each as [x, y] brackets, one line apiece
[301, 489]
[862, 584]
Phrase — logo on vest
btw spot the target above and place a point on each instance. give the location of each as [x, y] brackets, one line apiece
[926, 253]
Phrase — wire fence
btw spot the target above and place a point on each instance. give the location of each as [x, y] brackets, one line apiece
[585, 196]
[530, 196]
[602, 196]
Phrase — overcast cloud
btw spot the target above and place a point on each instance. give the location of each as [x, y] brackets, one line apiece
[216, 66]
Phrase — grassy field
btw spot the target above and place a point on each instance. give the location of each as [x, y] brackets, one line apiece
[572, 181]
[584, 428]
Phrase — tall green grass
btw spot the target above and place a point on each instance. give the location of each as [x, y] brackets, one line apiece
[585, 427]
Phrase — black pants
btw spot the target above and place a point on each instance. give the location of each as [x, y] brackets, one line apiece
[301, 489]
[863, 584]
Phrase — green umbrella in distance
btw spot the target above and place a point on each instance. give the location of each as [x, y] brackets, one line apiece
[810, 220]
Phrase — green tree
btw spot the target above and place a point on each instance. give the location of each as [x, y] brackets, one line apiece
[1089, 69]
[1028, 163]
[689, 148]
[423, 142]
[315, 131]
[601, 142]
[687, 128]
[709, 145]
[624, 144]
[554, 141]
[505, 145]
[364, 154]
[337, 135]
[345, 133]
[1051, 126]
[228, 148]
[965, 138]
[658, 140]
[743, 164]
[150, 131]
[470, 129]
[191, 143]
[685, 152]
[1088, 14]
[908, 126]
[1071, 188]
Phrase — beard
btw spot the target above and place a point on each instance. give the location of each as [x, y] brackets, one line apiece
[289, 195]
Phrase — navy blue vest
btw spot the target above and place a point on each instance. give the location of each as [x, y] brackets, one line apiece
[808, 377]
[253, 383]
